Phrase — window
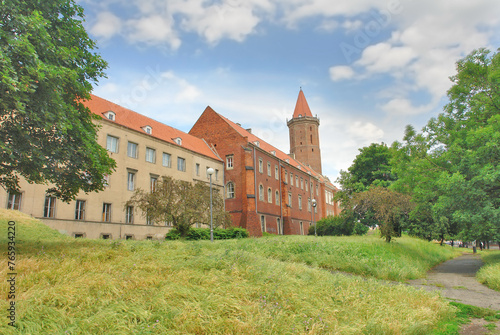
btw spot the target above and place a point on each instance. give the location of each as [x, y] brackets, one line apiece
[106, 212]
[277, 197]
[153, 180]
[216, 174]
[290, 199]
[269, 195]
[80, 210]
[296, 180]
[301, 183]
[149, 220]
[278, 224]
[14, 201]
[263, 223]
[230, 190]
[49, 207]
[229, 162]
[148, 129]
[301, 228]
[129, 237]
[77, 235]
[317, 193]
[306, 185]
[112, 143]
[308, 204]
[178, 140]
[261, 192]
[276, 172]
[132, 150]
[300, 202]
[197, 169]
[291, 179]
[167, 161]
[286, 177]
[106, 180]
[181, 164]
[131, 181]
[269, 169]
[110, 115]
[105, 236]
[150, 155]
[261, 166]
[129, 214]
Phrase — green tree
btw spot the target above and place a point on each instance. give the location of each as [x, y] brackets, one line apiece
[452, 169]
[390, 209]
[181, 203]
[468, 135]
[371, 167]
[47, 67]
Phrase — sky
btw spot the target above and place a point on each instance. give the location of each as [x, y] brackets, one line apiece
[367, 68]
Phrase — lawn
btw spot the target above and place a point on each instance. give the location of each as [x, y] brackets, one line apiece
[275, 285]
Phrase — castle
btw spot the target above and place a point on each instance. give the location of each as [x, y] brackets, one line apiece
[265, 189]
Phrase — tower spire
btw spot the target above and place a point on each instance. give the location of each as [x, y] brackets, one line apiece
[301, 107]
[304, 135]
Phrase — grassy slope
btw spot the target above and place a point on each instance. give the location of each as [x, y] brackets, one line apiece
[489, 274]
[252, 286]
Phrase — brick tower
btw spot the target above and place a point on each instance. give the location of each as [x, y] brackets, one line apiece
[304, 135]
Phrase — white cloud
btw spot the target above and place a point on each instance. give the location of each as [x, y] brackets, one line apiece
[352, 25]
[341, 72]
[106, 25]
[402, 106]
[153, 29]
[383, 57]
[365, 132]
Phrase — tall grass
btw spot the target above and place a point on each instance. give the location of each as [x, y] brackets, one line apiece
[78, 286]
[489, 274]
[404, 258]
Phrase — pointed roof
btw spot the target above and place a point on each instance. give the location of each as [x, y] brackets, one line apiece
[138, 122]
[301, 108]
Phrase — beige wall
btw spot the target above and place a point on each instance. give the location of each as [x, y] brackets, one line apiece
[116, 194]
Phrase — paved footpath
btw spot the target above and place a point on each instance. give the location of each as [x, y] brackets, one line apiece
[456, 281]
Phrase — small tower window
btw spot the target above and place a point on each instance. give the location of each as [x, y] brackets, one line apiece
[178, 140]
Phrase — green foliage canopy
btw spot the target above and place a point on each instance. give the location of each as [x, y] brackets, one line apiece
[47, 67]
[452, 169]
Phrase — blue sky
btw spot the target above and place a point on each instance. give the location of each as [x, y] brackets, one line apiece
[367, 67]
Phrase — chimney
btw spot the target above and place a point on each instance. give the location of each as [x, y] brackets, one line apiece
[249, 130]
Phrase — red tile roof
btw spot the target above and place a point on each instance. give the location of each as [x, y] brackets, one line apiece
[280, 154]
[301, 107]
[135, 121]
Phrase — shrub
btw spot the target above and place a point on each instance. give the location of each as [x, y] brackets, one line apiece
[338, 226]
[195, 234]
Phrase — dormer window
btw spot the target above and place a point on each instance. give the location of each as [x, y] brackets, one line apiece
[148, 129]
[110, 115]
[273, 153]
[178, 140]
[257, 143]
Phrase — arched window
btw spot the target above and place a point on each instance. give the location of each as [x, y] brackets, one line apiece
[261, 192]
[230, 190]
[269, 195]
[277, 197]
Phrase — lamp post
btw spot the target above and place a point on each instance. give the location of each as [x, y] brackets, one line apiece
[314, 209]
[210, 172]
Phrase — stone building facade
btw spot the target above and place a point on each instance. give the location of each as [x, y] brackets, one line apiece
[144, 150]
